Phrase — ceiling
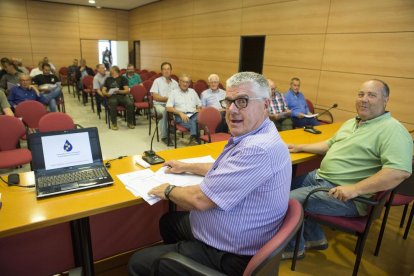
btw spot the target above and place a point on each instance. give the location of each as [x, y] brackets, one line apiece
[110, 4]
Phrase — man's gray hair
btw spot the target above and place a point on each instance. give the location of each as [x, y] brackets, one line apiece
[213, 76]
[262, 88]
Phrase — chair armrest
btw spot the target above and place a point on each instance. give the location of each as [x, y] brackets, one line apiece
[189, 264]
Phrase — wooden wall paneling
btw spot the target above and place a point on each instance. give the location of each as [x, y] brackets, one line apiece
[151, 30]
[301, 51]
[52, 12]
[61, 45]
[16, 44]
[122, 25]
[385, 54]
[26, 57]
[13, 8]
[217, 48]
[249, 3]
[180, 65]
[225, 23]
[203, 68]
[282, 76]
[90, 52]
[14, 26]
[146, 14]
[153, 63]
[178, 27]
[134, 32]
[296, 17]
[340, 115]
[212, 6]
[105, 30]
[176, 8]
[97, 16]
[371, 16]
[177, 48]
[44, 29]
[151, 48]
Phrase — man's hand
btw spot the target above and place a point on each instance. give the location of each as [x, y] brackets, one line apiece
[344, 193]
[294, 148]
[301, 115]
[175, 166]
[159, 191]
[183, 117]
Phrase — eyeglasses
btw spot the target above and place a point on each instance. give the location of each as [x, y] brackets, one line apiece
[239, 102]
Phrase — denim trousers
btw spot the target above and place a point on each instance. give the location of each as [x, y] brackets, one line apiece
[319, 203]
[190, 125]
[51, 98]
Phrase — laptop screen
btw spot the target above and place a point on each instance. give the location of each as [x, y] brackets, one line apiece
[65, 149]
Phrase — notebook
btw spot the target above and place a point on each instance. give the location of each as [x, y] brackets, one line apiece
[67, 161]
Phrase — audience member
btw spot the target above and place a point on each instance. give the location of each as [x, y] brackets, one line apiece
[19, 64]
[50, 85]
[117, 90]
[296, 102]
[27, 91]
[82, 71]
[72, 69]
[3, 65]
[160, 90]
[242, 201]
[185, 103]
[278, 111]
[98, 84]
[212, 97]
[38, 70]
[11, 78]
[52, 67]
[4, 105]
[132, 77]
[368, 154]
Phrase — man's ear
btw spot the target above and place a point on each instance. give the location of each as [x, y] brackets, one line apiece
[267, 103]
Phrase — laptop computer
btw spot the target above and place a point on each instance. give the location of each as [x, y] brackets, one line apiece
[67, 161]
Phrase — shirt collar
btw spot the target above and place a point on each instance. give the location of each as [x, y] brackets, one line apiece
[237, 139]
[384, 116]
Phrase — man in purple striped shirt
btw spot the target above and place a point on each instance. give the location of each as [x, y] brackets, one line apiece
[243, 198]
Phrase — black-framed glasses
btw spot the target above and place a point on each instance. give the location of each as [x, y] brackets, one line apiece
[239, 102]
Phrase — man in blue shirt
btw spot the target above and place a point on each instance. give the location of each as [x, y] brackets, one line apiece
[25, 91]
[301, 116]
[243, 198]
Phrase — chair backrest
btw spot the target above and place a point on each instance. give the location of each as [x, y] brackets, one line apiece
[266, 260]
[174, 77]
[406, 187]
[147, 84]
[56, 121]
[138, 92]
[310, 106]
[63, 71]
[200, 86]
[209, 118]
[87, 82]
[31, 112]
[11, 130]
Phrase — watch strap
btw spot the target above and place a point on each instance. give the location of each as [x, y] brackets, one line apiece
[168, 190]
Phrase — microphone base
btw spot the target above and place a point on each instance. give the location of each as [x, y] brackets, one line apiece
[149, 153]
[152, 159]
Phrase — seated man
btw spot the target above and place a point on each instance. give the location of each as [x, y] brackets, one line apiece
[184, 103]
[243, 198]
[37, 71]
[26, 91]
[132, 77]
[4, 105]
[72, 69]
[49, 85]
[82, 71]
[368, 154]
[52, 67]
[212, 97]
[278, 111]
[160, 90]
[11, 78]
[117, 90]
[296, 102]
[98, 84]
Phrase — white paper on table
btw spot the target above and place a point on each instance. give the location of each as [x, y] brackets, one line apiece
[311, 115]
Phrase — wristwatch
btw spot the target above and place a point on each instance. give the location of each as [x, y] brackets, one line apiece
[168, 190]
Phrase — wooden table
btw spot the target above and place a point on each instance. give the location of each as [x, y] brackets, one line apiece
[22, 212]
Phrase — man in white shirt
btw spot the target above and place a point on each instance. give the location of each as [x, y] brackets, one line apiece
[185, 103]
[160, 90]
[37, 71]
[98, 84]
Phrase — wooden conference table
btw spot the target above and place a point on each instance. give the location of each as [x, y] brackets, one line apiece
[22, 212]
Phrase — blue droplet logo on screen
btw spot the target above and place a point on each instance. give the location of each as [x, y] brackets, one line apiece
[67, 146]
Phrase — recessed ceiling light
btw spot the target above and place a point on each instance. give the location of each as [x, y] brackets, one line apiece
[92, 1]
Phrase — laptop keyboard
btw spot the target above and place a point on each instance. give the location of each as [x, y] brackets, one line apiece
[71, 177]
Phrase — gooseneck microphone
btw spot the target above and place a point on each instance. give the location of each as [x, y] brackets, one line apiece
[149, 155]
[333, 106]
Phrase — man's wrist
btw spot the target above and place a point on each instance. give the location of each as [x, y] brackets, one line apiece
[168, 190]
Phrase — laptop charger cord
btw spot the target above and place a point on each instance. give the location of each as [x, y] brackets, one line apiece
[108, 163]
[16, 184]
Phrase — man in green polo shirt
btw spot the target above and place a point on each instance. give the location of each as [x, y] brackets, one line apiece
[368, 154]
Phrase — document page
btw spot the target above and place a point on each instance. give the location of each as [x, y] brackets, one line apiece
[311, 115]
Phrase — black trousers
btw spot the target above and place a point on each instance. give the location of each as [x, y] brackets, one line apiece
[176, 231]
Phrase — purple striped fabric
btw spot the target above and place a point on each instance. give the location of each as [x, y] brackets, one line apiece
[250, 183]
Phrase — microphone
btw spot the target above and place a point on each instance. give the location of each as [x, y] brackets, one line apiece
[333, 106]
[149, 155]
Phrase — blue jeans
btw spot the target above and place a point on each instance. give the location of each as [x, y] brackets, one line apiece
[319, 203]
[301, 122]
[190, 125]
[51, 98]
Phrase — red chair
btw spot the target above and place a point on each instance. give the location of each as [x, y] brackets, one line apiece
[266, 261]
[208, 119]
[200, 86]
[403, 194]
[87, 83]
[326, 118]
[12, 129]
[173, 127]
[221, 86]
[359, 226]
[63, 75]
[123, 71]
[139, 92]
[56, 121]
[30, 112]
[174, 77]
[147, 84]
